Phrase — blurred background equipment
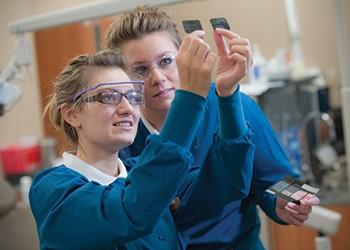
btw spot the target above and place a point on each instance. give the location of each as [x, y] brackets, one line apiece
[326, 222]
[21, 159]
[296, 100]
[10, 93]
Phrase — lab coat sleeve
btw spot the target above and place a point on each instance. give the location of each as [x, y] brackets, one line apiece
[227, 171]
[270, 161]
[225, 176]
[183, 118]
[74, 213]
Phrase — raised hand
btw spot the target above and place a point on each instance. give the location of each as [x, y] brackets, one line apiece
[195, 63]
[294, 214]
[234, 60]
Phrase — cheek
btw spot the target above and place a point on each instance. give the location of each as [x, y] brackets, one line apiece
[137, 114]
[147, 93]
[174, 79]
[102, 116]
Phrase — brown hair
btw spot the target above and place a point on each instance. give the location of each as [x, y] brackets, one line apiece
[138, 22]
[73, 79]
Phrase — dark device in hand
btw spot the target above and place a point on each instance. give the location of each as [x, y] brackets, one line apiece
[292, 189]
[219, 22]
[191, 25]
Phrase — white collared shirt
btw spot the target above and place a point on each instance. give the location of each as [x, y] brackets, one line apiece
[149, 126]
[90, 172]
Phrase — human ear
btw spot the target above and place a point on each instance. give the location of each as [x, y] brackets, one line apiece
[70, 115]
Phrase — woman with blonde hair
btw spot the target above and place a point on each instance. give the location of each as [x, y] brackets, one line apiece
[150, 40]
[93, 200]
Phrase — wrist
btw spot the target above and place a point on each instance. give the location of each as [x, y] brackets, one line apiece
[199, 92]
[224, 92]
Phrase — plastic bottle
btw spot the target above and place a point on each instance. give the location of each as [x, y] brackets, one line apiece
[257, 73]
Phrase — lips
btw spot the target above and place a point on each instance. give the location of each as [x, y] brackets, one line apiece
[163, 92]
[124, 124]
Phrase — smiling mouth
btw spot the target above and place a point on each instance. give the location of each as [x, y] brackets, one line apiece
[124, 124]
[163, 92]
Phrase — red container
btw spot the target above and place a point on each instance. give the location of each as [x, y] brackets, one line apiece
[20, 159]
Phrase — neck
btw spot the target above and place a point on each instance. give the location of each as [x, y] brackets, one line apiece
[155, 117]
[104, 160]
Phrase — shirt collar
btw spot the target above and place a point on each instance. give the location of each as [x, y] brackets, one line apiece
[90, 172]
[148, 125]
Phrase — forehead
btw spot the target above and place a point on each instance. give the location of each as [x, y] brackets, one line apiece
[148, 47]
[118, 86]
[106, 74]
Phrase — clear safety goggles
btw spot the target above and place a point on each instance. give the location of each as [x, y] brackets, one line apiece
[113, 93]
[142, 71]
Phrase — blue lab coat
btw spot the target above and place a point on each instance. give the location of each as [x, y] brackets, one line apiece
[237, 224]
[72, 212]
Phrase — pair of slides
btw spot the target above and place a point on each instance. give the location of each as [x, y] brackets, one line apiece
[192, 25]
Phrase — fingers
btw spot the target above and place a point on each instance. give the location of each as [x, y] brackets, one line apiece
[198, 33]
[202, 51]
[298, 214]
[310, 199]
[235, 44]
[220, 44]
[193, 49]
[191, 43]
[186, 42]
[298, 209]
[241, 63]
[219, 38]
[226, 33]
[195, 63]
[211, 59]
[242, 47]
[293, 220]
[297, 217]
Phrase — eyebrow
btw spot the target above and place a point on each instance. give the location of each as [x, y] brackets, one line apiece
[123, 91]
[103, 84]
[158, 57]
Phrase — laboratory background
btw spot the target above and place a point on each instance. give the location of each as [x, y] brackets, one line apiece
[300, 78]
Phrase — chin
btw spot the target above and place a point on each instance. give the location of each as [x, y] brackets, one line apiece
[163, 106]
[125, 140]
[166, 107]
[125, 143]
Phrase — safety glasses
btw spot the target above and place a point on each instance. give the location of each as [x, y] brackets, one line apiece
[165, 63]
[113, 96]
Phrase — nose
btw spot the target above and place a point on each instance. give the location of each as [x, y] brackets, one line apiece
[124, 107]
[156, 77]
